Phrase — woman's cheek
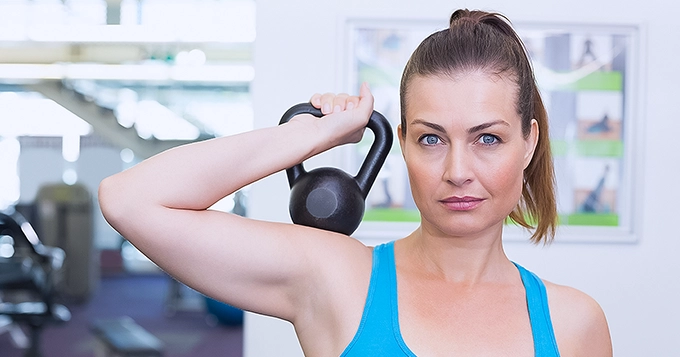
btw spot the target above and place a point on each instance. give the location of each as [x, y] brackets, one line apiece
[423, 176]
[505, 178]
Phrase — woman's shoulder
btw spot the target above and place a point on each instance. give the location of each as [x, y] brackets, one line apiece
[579, 322]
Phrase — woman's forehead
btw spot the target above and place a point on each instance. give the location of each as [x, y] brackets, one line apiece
[472, 97]
[466, 79]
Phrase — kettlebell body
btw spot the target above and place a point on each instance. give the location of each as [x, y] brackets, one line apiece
[329, 198]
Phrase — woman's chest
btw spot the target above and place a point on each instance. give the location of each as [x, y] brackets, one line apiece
[437, 319]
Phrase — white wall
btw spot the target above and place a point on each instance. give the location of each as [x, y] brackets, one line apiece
[297, 53]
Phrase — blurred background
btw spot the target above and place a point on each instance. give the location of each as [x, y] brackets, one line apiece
[87, 89]
[91, 87]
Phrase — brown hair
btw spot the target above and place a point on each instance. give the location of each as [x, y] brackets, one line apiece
[478, 40]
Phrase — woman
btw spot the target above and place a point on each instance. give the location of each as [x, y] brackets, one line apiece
[474, 138]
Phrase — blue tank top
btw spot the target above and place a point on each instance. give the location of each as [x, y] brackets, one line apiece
[379, 334]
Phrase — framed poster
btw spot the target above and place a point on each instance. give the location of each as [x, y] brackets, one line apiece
[587, 75]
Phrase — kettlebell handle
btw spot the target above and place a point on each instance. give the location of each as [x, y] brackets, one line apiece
[375, 158]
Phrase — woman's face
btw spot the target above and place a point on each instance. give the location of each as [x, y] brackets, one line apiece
[465, 151]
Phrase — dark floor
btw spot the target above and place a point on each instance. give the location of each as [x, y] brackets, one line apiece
[188, 332]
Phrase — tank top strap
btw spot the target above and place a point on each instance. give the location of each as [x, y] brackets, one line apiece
[394, 300]
[378, 333]
[545, 344]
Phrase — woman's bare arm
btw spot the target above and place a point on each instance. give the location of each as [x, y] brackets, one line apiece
[161, 206]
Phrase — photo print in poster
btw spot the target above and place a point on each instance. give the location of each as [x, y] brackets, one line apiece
[585, 77]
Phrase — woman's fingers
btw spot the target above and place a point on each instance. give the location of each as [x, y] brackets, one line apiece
[352, 102]
[332, 102]
[340, 102]
[327, 103]
[316, 100]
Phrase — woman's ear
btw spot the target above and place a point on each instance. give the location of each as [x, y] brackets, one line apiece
[530, 143]
[401, 139]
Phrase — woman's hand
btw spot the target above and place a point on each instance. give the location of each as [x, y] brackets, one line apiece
[345, 116]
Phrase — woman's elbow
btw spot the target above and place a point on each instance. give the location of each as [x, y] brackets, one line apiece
[112, 200]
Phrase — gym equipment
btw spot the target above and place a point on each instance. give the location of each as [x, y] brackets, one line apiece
[123, 337]
[225, 314]
[65, 219]
[329, 198]
[29, 272]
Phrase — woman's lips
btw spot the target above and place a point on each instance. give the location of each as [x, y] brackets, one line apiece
[465, 203]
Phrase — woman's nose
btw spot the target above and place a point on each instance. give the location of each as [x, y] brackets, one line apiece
[458, 170]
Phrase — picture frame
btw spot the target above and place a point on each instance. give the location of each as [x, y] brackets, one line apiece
[588, 75]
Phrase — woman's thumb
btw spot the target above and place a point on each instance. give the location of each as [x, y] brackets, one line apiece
[365, 98]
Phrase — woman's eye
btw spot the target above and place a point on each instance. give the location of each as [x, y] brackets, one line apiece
[488, 139]
[429, 140]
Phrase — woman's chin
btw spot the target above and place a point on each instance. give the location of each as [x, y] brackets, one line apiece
[465, 229]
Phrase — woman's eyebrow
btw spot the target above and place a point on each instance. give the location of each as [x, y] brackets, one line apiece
[471, 130]
[434, 126]
[481, 127]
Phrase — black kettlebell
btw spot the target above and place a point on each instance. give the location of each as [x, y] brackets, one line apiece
[327, 197]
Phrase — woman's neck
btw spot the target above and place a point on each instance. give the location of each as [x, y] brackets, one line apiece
[466, 260]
